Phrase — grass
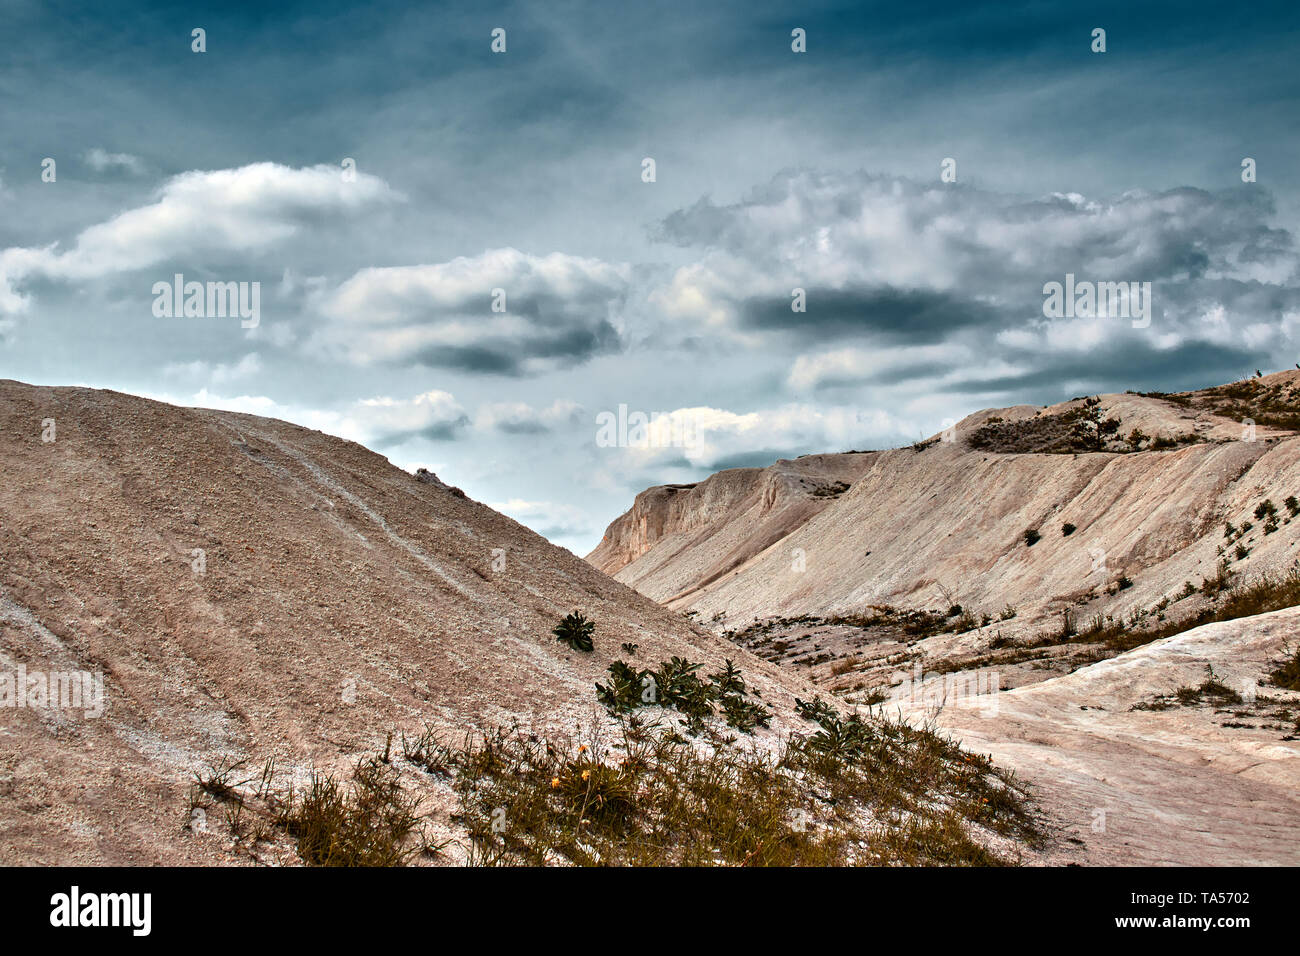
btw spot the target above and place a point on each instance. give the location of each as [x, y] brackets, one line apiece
[1230, 601]
[853, 790]
[856, 791]
[368, 822]
[1287, 674]
[1212, 691]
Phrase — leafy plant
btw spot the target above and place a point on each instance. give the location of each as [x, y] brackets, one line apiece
[626, 689]
[729, 681]
[575, 631]
[675, 684]
[815, 710]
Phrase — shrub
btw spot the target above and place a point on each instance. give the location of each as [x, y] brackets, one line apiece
[674, 684]
[575, 631]
[1067, 529]
[1032, 536]
[367, 824]
[1288, 673]
[1067, 624]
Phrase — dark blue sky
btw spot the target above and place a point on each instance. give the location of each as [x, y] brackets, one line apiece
[522, 171]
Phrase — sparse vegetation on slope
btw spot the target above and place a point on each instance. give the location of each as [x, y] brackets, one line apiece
[1083, 428]
[1274, 404]
[855, 792]
[1230, 601]
[674, 684]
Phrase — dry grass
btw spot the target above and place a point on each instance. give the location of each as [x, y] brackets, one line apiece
[857, 791]
[370, 822]
[1287, 674]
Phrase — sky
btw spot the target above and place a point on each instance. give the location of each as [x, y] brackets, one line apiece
[464, 263]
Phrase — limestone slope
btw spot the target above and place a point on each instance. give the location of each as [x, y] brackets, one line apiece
[944, 523]
[1196, 783]
[250, 587]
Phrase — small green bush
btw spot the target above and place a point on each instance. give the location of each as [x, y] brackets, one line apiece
[575, 631]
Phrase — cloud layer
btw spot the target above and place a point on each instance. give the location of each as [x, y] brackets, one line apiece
[501, 312]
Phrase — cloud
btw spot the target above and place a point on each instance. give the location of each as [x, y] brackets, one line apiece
[550, 520]
[215, 373]
[100, 160]
[374, 422]
[196, 215]
[560, 310]
[887, 263]
[850, 365]
[435, 415]
[706, 438]
[521, 418]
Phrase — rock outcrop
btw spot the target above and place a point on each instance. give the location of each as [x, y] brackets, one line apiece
[944, 522]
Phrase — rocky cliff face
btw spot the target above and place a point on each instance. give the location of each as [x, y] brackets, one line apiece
[693, 534]
[944, 523]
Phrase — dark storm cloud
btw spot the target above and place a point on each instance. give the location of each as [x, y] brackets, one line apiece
[503, 312]
[440, 431]
[1115, 368]
[887, 264]
[560, 348]
[901, 315]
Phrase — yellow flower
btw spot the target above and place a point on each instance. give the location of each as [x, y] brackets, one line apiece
[586, 775]
[555, 782]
